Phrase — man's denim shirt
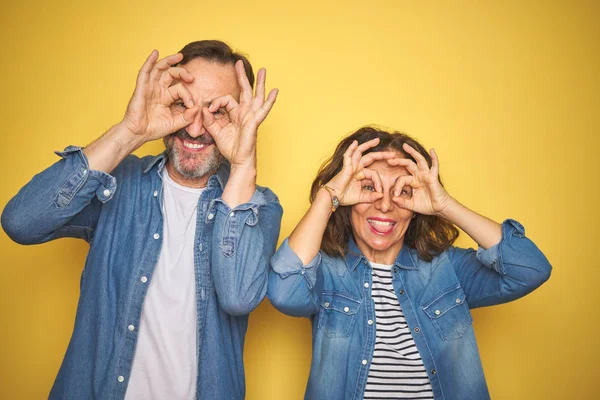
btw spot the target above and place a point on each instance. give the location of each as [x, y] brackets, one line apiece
[123, 224]
[435, 296]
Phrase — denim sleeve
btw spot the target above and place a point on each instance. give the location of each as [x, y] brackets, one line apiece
[244, 239]
[292, 284]
[504, 272]
[62, 201]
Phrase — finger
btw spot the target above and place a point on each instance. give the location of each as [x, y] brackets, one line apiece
[375, 178]
[185, 118]
[421, 161]
[435, 164]
[227, 102]
[246, 93]
[179, 91]
[348, 154]
[144, 73]
[401, 183]
[403, 202]
[367, 145]
[259, 95]
[368, 159]
[369, 197]
[164, 64]
[406, 163]
[266, 107]
[172, 73]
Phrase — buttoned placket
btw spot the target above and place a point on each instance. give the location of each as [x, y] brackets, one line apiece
[126, 361]
[411, 319]
[370, 329]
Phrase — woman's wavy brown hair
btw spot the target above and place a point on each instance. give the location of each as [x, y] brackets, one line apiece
[430, 235]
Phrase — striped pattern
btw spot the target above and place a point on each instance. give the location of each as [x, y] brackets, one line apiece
[397, 371]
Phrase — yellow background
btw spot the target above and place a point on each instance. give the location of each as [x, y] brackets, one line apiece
[506, 91]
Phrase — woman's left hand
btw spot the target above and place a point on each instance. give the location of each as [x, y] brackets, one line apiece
[428, 195]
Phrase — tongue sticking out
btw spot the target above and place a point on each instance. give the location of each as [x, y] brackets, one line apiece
[382, 227]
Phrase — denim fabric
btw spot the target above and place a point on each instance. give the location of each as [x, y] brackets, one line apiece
[123, 224]
[436, 296]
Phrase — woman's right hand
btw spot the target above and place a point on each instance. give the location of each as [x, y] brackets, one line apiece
[149, 114]
[347, 184]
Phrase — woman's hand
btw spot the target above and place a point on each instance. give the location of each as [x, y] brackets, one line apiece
[347, 184]
[428, 195]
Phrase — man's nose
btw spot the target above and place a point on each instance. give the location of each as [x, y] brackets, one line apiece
[196, 128]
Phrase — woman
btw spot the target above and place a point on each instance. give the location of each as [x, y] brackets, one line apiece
[372, 264]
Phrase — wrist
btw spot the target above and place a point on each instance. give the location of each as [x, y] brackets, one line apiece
[449, 209]
[124, 138]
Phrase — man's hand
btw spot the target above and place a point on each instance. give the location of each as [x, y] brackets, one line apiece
[149, 113]
[235, 134]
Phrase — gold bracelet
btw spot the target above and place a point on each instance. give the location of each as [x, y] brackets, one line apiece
[335, 202]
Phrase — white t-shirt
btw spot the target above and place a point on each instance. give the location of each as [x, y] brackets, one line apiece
[165, 365]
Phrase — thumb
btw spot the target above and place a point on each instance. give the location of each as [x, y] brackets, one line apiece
[185, 118]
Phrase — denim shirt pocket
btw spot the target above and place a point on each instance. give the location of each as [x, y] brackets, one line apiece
[449, 313]
[337, 314]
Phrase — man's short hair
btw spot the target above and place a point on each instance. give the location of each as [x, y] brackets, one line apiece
[215, 51]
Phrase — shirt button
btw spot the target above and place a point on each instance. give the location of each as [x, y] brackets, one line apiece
[200, 247]
[437, 312]
[131, 328]
[457, 301]
[417, 330]
[395, 270]
[106, 192]
[84, 171]
[211, 216]
[120, 378]
[401, 291]
[155, 194]
[144, 279]
[326, 304]
[366, 284]
[433, 372]
[156, 236]
[364, 362]
[370, 322]
[302, 272]
[346, 309]
[232, 214]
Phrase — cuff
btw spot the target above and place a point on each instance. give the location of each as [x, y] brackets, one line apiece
[492, 257]
[107, 184]
[285, 263]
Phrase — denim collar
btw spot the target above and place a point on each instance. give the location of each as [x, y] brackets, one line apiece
[220, 177]
[406, 259]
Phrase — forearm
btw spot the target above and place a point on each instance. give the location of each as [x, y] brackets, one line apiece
[481, 229]
[61, 195]
[306, 238]
[106, 152]
[244, 239]
[240, 186]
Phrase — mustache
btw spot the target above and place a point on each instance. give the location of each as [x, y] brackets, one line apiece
[205, 138]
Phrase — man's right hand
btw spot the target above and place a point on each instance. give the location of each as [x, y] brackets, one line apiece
[149, 115]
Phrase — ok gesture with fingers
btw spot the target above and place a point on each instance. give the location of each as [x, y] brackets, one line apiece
[234, 129]
[348, 183]
[428, 195]
[149, 113]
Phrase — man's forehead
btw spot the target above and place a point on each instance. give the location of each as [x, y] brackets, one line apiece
[212, 79]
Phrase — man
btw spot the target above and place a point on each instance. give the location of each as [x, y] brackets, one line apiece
[179, 243]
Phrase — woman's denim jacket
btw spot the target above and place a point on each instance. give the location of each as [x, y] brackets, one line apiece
[435, 296]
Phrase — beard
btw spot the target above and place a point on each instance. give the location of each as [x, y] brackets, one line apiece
[193, 165]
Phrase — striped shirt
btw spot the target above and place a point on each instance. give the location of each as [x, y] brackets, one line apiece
[397, 371]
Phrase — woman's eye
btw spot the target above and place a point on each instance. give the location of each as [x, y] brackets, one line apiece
[179, 105]
[369, 188]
